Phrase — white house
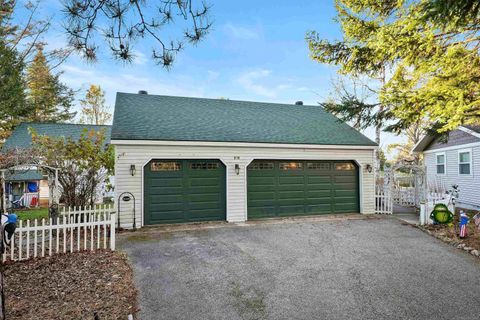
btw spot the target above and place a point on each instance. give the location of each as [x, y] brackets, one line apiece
[454, 161]
[193, 159]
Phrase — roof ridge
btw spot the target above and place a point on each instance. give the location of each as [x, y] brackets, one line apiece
[65, 123]
[223, 100]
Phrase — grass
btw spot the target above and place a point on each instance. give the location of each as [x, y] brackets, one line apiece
[30, 214]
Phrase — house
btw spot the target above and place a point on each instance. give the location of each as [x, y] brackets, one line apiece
[27, 187]
[22, 139]
[455, 161]
[192, 159]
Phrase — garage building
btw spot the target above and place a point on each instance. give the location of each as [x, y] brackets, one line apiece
[194, 159]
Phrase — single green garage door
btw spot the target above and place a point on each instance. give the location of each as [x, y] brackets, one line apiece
[184, 191]
[280, 188]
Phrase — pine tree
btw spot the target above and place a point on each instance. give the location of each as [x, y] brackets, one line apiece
[94, 110]
[429, 48]
[12, 91]
[50, 99]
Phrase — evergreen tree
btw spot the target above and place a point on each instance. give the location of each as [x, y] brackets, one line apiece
[50, 99]
[12, 91]
[430, 49]
[94, 110]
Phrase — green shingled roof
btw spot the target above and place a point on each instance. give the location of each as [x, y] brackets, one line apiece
[24, 175]
[153, 117]
[21, 138]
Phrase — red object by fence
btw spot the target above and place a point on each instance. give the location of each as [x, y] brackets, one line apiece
[34, 202]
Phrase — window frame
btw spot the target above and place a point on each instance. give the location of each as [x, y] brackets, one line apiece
[469, 151]
[177, 166]
[444, 163]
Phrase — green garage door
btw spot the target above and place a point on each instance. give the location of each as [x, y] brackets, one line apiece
[280, 188]
[184, 191]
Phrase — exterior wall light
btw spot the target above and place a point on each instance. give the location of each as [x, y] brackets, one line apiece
[237, 169]
[133, 170]
[369, 168]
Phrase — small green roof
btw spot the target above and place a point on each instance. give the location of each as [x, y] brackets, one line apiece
[21, 138]
[154, 117]
[24, 175]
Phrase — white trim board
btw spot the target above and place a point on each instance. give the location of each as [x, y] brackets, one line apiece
[458, 147]
[238, 144]
[469, 131]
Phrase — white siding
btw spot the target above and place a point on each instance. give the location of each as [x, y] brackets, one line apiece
[139, 155]
[469, 185]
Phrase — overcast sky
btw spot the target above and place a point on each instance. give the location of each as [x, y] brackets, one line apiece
[255, 51]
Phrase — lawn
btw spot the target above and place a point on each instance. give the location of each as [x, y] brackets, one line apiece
[85, 285]
[30, 214]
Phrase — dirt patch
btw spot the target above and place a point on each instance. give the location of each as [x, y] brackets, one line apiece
[86, 285]
[450, 233]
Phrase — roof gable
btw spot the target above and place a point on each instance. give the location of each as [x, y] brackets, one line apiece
[462, 135]
[167, 118]
[21, 138]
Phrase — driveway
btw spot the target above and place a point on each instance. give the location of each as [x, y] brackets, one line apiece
[343, 269]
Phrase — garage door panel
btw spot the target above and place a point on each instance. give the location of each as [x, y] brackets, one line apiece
[291, 210]
[263, 195]
[345, 193]
[319, 179]
[345, 207]
[320, 187]
[319, 208]
[204, 205]
[161, 208]
[204, 190]
[290, 195]
[204, 181]
[184, 191]
[166, 190]
[343, 179]
[166, 182]
[263, 212]
[302, 187]
[296, 180]
[203, 197]
[264, 203]
[262, 181]
[167, 198]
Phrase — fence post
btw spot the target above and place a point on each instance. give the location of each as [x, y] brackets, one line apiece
[112, 231]
[423, 210]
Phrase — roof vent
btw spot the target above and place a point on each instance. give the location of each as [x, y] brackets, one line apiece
[299, 103]
[142, 92]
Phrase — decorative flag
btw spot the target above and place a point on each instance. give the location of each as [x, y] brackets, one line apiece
[463, 224]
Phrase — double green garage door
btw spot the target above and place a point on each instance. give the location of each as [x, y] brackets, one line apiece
[195, 190]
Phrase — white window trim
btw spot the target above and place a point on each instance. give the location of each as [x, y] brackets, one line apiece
[469, 150]
[444, 163]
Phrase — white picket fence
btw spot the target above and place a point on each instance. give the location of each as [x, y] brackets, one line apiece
[404, 196]
[383, 201]
[74, 231]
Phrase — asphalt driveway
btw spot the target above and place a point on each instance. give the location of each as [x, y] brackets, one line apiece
[346, 269]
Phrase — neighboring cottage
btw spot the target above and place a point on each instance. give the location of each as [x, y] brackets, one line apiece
[192, 159]
[20, 184]
[456, 161]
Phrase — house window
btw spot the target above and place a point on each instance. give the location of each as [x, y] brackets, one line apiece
[291, 166]
[440, 163]
[166, 166]
[261, 166]
[204, 166]
[346, 166]
[464, 162]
